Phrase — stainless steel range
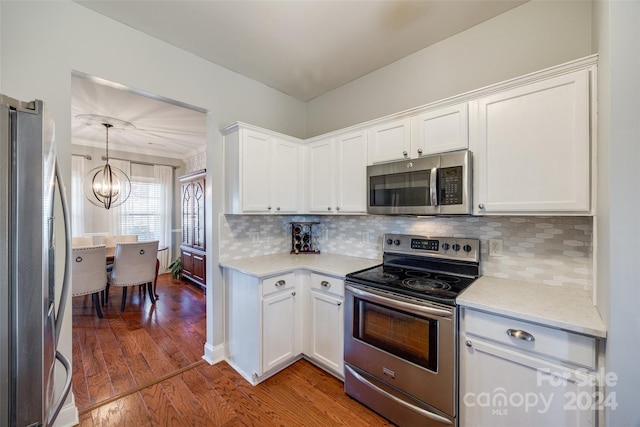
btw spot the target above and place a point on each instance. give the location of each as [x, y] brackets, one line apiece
[401, 325]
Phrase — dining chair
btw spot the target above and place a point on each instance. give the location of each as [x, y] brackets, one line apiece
[133, 264]
[78, 241]
[88, 273]
[112, 241]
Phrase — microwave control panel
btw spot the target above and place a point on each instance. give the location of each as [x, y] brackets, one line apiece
[451, 185]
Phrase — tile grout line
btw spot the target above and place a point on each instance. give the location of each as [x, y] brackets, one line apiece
[140, 387]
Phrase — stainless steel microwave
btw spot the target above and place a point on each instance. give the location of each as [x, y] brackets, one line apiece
[430, 185]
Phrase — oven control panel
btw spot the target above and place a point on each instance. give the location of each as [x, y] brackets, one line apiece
[439, 247]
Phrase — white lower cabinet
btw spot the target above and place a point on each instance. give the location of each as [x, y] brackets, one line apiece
[515, 373]
[262, 331]
[325, 320]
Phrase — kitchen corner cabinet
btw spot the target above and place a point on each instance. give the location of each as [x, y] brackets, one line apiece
[325, 329]
[532, 149]
[337, 174]
[519, 373]
[262, 172]
[193, 246]
[261, 331]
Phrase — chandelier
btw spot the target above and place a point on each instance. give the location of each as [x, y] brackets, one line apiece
[106, 186]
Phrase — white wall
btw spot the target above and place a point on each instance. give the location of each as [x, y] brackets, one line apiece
[43, 42]
[617, 34]
[531, 37]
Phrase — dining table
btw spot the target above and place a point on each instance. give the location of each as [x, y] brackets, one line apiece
[111, 253]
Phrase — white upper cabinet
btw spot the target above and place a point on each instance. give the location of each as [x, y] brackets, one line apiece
[337, 174]
[261, 172]
[439, 131]
[531, 146]
[390, 141]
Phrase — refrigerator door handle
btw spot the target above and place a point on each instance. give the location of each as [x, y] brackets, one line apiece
[65, 391]
[67, 252]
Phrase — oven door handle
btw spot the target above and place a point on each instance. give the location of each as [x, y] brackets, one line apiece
[400, 305]
[396, 399]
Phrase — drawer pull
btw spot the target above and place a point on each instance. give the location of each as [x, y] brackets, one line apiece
[520, 334]
[280, 283]
[325, 284]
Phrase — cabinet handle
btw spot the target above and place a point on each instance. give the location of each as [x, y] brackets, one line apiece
[325, 284]
[468, 343]
[520, 334]
[404, 153]
[293, 293]
[280, 283]
[420, 151]
[481, 206]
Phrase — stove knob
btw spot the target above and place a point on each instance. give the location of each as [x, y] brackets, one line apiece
[389, 241]
[467, 248]
[396, 242]
[456, 247]
[445, 246]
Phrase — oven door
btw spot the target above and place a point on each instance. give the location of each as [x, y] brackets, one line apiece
[400, 352]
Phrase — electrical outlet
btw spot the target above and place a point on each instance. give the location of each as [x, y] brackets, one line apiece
[495, 247]
[255, 236]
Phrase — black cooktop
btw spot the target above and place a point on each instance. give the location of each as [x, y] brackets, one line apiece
[419, 283]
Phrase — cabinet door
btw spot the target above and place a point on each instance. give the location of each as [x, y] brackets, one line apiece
[198, 214]
[187, 263]
[278, 329]
[500, 387]
[531, 147]
[351, 164]
[256, 172]
[321, 176]
[199, 268]
[327, 331]
[286, 176]
[187, 213]
[390, 141]
[438, 131]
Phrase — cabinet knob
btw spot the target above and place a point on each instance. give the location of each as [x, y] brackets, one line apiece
[269, 207]
[325, 284]
[468, 343]
[339, 303]
[278, 208]
[404, 153]
[293, 293]
[337, 208]
[420, 151]
[280, 283]
[329, 208]
[481, 206]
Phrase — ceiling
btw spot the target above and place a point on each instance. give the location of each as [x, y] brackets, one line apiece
[303, 48]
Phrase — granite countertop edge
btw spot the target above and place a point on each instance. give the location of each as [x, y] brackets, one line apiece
[566, 308]
[274, 264]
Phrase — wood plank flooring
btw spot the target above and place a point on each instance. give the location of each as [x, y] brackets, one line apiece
[143, 367]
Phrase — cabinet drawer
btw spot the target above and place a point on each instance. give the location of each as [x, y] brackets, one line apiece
[327, 285]
[545, 341]
[277, 284]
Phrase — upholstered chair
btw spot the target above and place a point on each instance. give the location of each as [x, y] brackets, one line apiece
[134, 264]
[89, 273]
[112, 241]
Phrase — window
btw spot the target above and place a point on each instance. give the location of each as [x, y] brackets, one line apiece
[141, 212]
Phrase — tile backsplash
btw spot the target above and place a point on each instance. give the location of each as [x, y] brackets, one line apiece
[550, 250]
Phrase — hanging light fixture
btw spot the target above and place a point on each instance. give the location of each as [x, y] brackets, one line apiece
[106, 186]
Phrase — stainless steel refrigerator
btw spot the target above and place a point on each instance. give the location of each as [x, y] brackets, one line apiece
[30, 315]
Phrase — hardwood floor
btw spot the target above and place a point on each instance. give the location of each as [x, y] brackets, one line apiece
[143, 367]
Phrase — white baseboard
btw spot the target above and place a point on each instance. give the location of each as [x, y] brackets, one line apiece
[213, 354]
[68, 415]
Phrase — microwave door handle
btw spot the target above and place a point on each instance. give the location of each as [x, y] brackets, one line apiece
[433, 187]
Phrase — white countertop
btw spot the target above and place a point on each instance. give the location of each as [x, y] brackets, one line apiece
[560, 307]
[271, 265]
